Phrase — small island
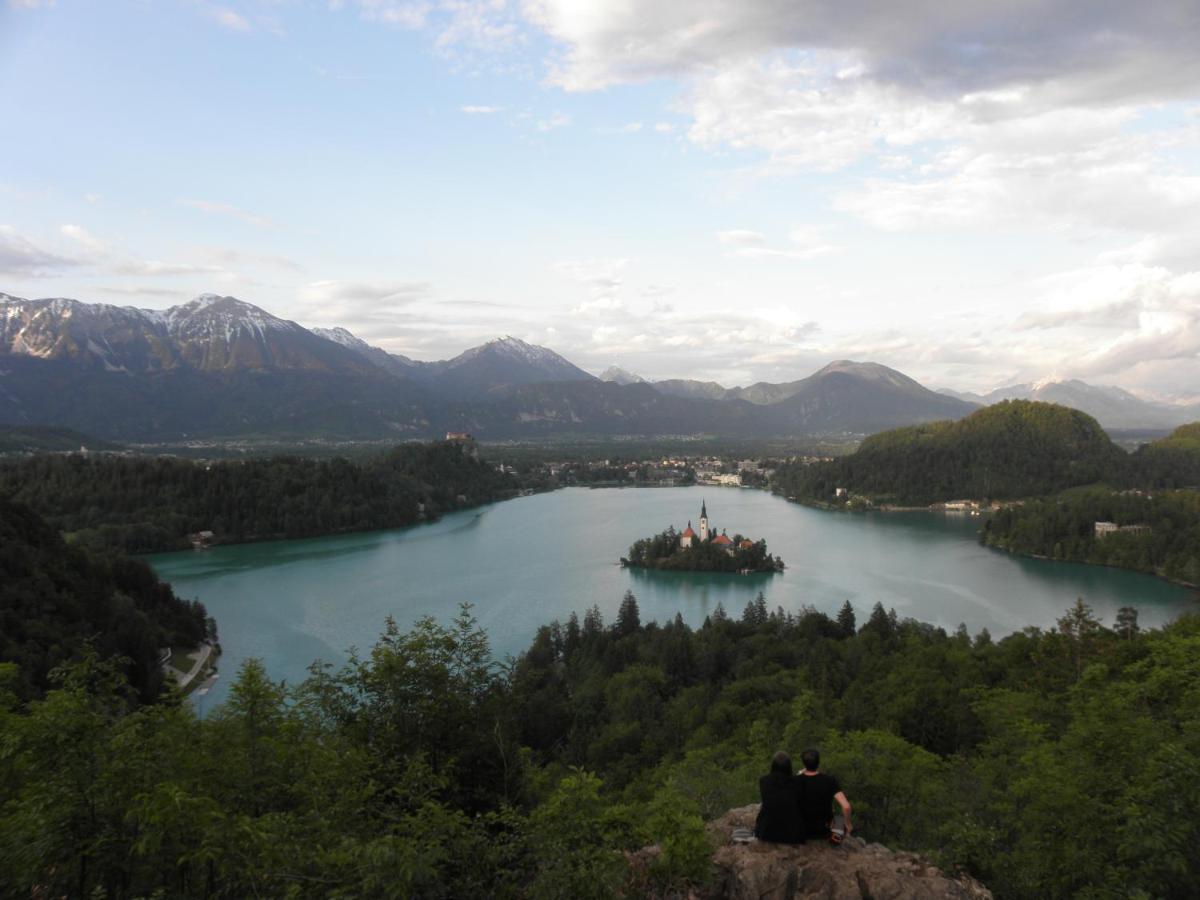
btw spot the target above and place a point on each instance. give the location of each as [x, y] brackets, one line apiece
[703, 551]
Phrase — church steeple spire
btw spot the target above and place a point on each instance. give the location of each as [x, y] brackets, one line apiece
[703, 521]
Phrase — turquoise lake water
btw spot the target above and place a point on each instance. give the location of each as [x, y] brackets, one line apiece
[527, 561]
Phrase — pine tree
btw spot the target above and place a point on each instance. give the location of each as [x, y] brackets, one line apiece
[593, 622]
[628, 619]
[571, 637]
[1127, 621]
[845, 619]
[1080, 628]
[755, 612]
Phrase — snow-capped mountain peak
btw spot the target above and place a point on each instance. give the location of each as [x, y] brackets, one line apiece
[227, 311]
[617, 375]
[515, 348]
[341, 336]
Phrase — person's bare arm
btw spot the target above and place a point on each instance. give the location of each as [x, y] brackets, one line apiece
[845, 805]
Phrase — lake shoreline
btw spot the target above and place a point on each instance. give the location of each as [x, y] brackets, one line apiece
[938, 508]
[1083, 562]
[553, 554]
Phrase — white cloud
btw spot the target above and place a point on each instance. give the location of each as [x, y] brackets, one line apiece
[485, 26]
[970, 116]
[20, 256]
[138, 291]
[946, 49]
[389, 293]
[408, 15]
[1171, 250]
[159, 268]
[229, 257]
[481, 110]
[558, 120]
[227, 209]
[805, 242]
[89, 242]
[1121, 314]
[604, 279]
[1077, 168]
[801, 115]
[379, 308]
[461, 28]
[742, 238]
[228, 18]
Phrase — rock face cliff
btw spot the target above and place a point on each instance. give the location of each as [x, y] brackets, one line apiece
[855, 870]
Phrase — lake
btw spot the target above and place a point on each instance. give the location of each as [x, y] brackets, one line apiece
[527, 561]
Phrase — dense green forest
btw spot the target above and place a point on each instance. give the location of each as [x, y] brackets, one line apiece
[143, 505]
[1062, 527]
[662, 551]
[1172, 462]
[1063, 763]
[55, 598]
[1017, 448]
[1011, 450]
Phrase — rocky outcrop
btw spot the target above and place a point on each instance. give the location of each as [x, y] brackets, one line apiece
[854, 870]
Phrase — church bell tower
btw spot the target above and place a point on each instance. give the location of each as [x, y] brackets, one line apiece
[703, 522]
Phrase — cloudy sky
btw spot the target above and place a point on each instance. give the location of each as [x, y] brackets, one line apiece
[976, 193]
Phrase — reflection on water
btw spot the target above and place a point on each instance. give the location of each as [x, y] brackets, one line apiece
[527, 561]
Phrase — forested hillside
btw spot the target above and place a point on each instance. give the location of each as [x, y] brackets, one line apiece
[1172, 462]
[1050, 764]
[1013, 449]
[55, 599]
[1057, 462]
[148, 504]
[1164, 538]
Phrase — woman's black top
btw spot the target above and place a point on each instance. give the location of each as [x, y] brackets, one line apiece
[779, 818]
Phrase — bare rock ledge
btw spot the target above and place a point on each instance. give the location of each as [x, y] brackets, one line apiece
[855, 870]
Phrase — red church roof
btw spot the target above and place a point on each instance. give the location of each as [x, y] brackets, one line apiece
[689, 532]
[722, 541]
[746, 544]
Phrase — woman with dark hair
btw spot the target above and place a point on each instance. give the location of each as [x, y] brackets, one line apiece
[779, 817]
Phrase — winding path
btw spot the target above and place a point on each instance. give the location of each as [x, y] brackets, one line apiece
[186, 679]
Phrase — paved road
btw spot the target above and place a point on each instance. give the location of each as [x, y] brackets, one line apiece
[186, 679]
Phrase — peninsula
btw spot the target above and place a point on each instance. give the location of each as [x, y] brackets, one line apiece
[702, 551]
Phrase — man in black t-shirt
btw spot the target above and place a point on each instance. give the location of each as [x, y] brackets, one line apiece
[817, 793]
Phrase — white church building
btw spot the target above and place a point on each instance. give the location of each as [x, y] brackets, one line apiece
[690, 536]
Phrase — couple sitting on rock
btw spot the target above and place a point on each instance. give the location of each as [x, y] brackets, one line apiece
[796, 808]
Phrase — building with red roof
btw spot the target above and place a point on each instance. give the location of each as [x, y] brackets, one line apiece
[685, 539]
[690, 537]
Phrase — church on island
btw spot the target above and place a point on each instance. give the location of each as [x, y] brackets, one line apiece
[706, 550]
[721, 540]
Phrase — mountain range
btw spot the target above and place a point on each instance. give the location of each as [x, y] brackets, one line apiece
[1112, 407]
[218, 367]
